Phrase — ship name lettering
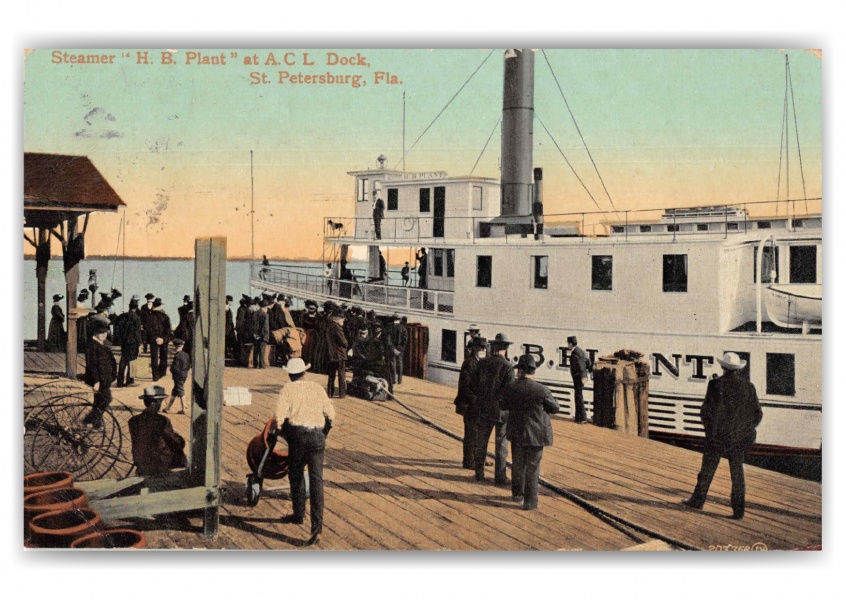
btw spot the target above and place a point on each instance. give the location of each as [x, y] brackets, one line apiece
[535, 351]
[697, 361]
[659, 360]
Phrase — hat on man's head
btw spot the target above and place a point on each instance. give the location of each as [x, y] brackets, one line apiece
[229, 298]
[152, 394]
[57, 297]
[186, 298]
[133, 302]
[572, 340]
[98, 325]
[265, 302]
[473, 327]
[526, 363]
[296, 366]
[116, 294]
[135, 298]
[309, 303]
[731, 361]
[149, 296]
[500, 340]
[157, 302]
[478, 342]
[177, 342]
[83, 296]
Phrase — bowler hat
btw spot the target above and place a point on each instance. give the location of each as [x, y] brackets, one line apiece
[186, 298]
[478, 342]
[149, 296]
[731, 361]
[157, 302]
[229, 298]
[296, 366]
[98, 325]
[178, 342]
[57, 297]
[310, 303]
[572, 340]
[526, 363]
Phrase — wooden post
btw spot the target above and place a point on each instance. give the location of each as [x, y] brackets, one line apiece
[207, 387]
[71, 281]
[42, 263]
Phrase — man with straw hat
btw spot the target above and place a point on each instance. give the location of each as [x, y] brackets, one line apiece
[304, 413]
[156, 447]
[730, 414]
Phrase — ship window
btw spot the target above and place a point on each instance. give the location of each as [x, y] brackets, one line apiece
[617, 229]
[540, 275]
[744, 372]
[798, 223]
[675, 272]
[477, 197]
[425, 194]
[363, 189]
[645, 228]
[484, 271]
[601, 272]
[781, 374]
[731, 226]
[672, 228]
[702, 227]
[803, 264]
[450, 263]
[448, 345]
[438, 263]
[393, 198]
[770, 264]
[764, 225]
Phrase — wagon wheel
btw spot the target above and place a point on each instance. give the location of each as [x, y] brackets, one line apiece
[56, 439]
[56, 389]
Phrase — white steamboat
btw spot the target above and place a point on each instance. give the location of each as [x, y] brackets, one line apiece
[683, 285]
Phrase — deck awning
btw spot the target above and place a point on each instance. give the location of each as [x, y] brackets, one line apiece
[58, 186]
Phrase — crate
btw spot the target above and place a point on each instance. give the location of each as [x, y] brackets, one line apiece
[237, 396]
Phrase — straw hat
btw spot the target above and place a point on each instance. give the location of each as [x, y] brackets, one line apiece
[731, 361]
[296, 366]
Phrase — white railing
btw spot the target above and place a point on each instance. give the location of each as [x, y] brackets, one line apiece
[345, 290]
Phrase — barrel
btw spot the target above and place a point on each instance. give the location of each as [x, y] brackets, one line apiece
[112, 539]
[417, 351]
[59, 529]
[621, 394]
[46, 481]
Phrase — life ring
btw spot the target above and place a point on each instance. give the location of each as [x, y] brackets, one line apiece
[408, 223]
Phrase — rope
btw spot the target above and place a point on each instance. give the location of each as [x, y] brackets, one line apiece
[593, 509]
[486, 145]
[796, 131]
[584, 143]
[781, 145]
[443, 109]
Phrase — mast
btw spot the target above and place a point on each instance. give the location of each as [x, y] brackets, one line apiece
[252, 212]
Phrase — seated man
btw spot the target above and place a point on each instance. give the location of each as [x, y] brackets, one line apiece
[156, 447]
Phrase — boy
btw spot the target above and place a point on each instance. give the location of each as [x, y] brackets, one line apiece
[179, 370]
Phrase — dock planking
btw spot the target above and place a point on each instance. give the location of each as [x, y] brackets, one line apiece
[394, 483]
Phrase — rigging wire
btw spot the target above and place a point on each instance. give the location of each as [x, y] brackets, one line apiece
[584, 143]
[444, 108]
[493, 131]
[781, 144]
[796, 131]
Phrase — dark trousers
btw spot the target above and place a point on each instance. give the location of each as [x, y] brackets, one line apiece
[525, 473]
[244, 359]
[390, 373]
[102, 399]
[710, 462]
[398, 366]
[578, 397]
[377, 226]
[470, 435]
[339, 367]
[299, 458]
[484, 430]
[258, 354]
[158, 360]
[124, 376]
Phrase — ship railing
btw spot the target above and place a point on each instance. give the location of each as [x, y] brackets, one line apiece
[722, 220]
[347, 290]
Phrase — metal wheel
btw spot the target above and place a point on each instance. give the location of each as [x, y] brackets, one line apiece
[253, 489]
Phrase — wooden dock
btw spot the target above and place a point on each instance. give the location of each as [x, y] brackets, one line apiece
[393, 482]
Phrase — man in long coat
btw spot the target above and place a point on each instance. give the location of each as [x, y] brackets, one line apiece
[144, 313]
[730, 414]
[261, 332]
[128, 331]
[399, 340]
[465, 401]
[100, 370]
[580, 367]
[337, 347]
[529, 429]
[378, 214]
[156, 447]
[492, 375]
[159, 334]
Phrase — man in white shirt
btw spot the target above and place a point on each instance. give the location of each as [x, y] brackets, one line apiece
[304, 413]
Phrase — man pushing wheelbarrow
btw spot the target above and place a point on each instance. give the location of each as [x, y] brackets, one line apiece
[304, 414]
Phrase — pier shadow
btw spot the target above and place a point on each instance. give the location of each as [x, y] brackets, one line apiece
[253, 525]
[395, 467]
[483, 498]
[234, 493]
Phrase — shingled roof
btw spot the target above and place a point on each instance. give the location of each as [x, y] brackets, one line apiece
[66, 182]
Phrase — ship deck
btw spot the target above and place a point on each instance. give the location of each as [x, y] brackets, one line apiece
[392, 482]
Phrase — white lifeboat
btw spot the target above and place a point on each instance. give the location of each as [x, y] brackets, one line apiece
[794, 305]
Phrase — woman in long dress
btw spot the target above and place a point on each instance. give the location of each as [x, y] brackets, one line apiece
[56, 334]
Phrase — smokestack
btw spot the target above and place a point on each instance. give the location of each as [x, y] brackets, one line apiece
[517, 117]
[537, 203]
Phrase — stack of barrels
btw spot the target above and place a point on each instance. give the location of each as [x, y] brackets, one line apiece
[416, 351]
[57, 515]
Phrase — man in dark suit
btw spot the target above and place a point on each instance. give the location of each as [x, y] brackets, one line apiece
[399, 340]
[100, 370]
[492, 375]
[156, 447]
[128, 331]
[159, 334]
[580, 367]
[529, 429]
[378, 214]
[261, 333]
[465, 401]
[144, 313]
[730, 414]
[336, 343]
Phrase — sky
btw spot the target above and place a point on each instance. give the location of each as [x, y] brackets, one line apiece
[173, 136]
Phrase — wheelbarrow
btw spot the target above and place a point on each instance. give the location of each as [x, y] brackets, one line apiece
[264, 461]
